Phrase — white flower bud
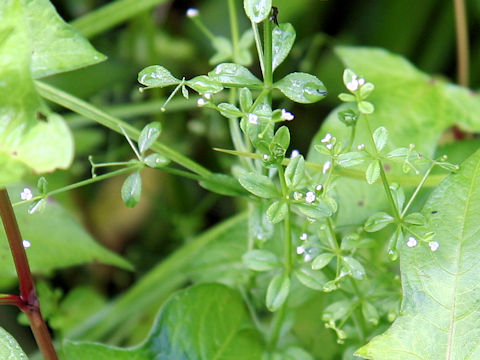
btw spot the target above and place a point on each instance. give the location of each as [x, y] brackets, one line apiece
[26, 194]
[253, 119]
[412, 242]
[192, 12]
[310, 197]
[201, 102]
[287, 115]
[434, 245]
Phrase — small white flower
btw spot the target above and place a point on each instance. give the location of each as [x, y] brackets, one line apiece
[326, 166]
[310, 197]
[304, 236]
[412, 242]
[192, 12]
[300, 250]
[26, 194]
[26, 243]
[329, 146]
[294, 154]
[327, 138]
[287, 115]
[361, 147]
[201, 102]
[266, 157]
[297, 195]
[307, 257]
[353, 84]
[319, 187]
[253, 119]
[207, 96]
[434, 245]
[361, 81]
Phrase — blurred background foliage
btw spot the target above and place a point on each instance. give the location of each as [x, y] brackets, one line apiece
[173, 210]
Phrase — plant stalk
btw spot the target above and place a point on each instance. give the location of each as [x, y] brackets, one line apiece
[28, 297]
[462, 43]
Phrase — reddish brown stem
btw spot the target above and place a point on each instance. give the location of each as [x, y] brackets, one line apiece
[27, 301]
[462, 42]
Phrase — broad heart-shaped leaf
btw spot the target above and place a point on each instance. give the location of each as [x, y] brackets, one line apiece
[56, 46]
[204, 322]
[257, 10]
[439, 317]
[57, 241]
[156, 76]
[30, 136]
[283, 37]
[9, 348]
[302, 88]
[433, 106]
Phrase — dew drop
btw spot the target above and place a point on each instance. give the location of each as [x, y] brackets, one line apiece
[393, 254]
[26, 244]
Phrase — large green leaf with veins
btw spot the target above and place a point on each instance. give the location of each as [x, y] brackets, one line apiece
[414, 107]
[34, 42]
[204, 322]
[56, 241]
[9, 348]
[439, 317]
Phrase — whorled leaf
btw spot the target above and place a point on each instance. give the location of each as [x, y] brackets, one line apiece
[218, 327]
[440, 288]
[283, 37]
[302, 88]
[234, 75]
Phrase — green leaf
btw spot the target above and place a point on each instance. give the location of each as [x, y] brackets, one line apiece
[322, 260]
[440, 299]
[257, 10]
[313, 279]
[366, 107]
[259, 185]
[373, 172]
[378, 221]
[350, 159]
[234, 75]
[204, 84]
[148, 136]
[9, 348]
[337, 310]
[245, 99]
[354, 266]
[156, 76]
[132, 189]
[295, 172]
[223, 46]
[57, 240]
[277, 291]
[370, 313]
[347, 97]
[229, 111]
[260, 260]
[317, 210]
[156, 161]
[283, 37]
[282, 138]
[277, 211]
[218, 327]
[302, 88]
[55, 45]
[415, 219]
[380, 137]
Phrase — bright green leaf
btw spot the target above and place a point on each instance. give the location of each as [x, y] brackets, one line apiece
[415, 219]
[317, 210]
[156, 76]
[302, 88]
[204, 84]
[313, 279]
[257, 10]
[9, 348]
[283, 37]
[148, 136]
[245, 99]
[259, 185]
[370, 313]
[350, 159]
[277, 291]
[260, 260]
[373, 172]
[440, 299]
[277, 211]
[322, 260]
[132, 189]
[378, 221]
[295, 172]
[222, 184]
[354, 267]
[282, 138]
[218, 327]
[229, 111]
[234, 75]
[380, 137]
[366, 107]
[156, 161]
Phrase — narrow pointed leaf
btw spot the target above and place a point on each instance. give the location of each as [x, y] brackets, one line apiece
[277, 292]
[132, 189]
[259, 185]
[277, 211]
[440, 288]
[148, 136]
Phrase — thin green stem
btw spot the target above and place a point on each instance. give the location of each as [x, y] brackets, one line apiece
[75, 104]
[286, 222]
[463, 57]
[417, 190]
[232, 10]
[268, 54]
[334, 244]
[204, 29]
[258, 44]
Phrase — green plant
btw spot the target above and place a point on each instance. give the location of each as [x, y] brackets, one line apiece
[310, 259]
